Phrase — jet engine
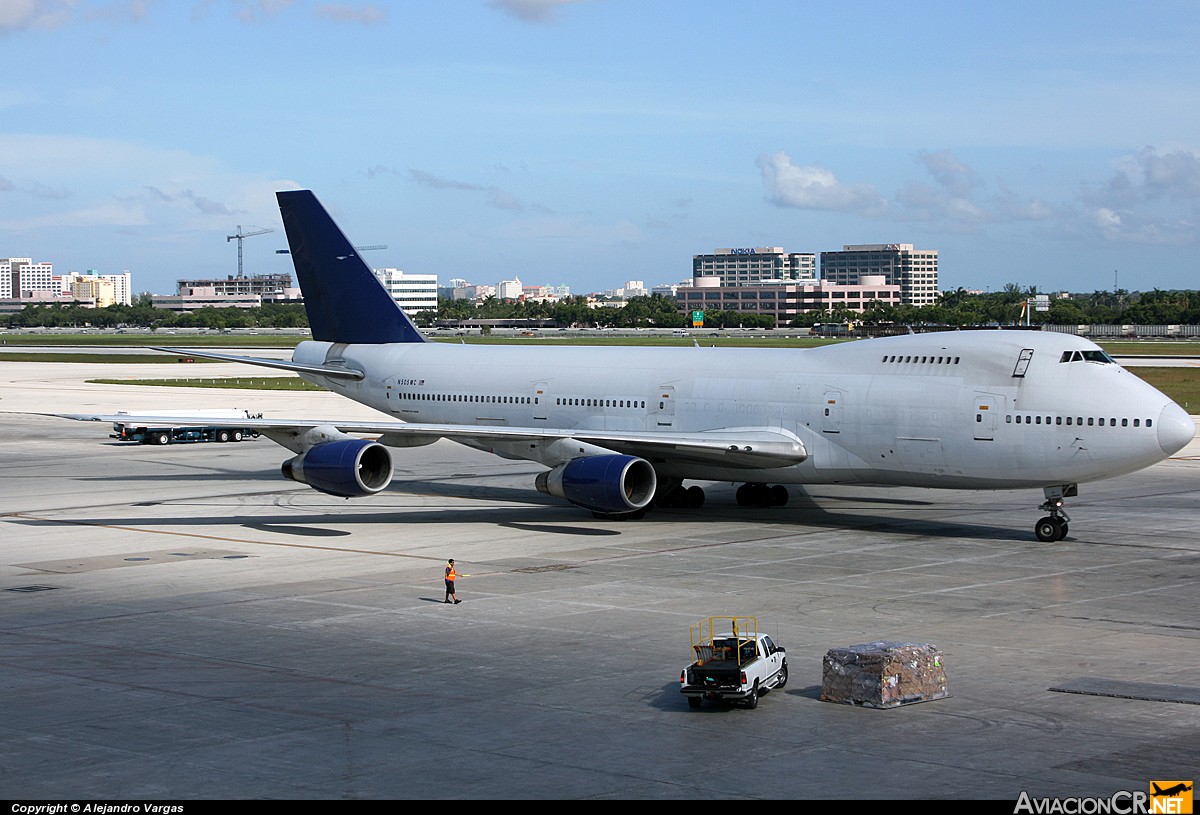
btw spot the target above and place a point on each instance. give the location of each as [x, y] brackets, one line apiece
[347, 468]
[608, 484]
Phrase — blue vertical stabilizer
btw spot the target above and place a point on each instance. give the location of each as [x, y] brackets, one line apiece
[344, 299]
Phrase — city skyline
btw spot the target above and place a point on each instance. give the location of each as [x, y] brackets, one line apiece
[589, 142]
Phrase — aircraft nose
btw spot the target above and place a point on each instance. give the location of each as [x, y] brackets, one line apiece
[1175, 428]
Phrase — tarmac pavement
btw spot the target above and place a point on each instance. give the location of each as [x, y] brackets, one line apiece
[181, 623]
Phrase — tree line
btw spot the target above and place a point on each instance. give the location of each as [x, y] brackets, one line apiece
[957, 307]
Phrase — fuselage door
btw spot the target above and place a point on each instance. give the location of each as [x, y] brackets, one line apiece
[987, 409]
[541, 400]
[1023, 362]
[831, 411]
[663, 412]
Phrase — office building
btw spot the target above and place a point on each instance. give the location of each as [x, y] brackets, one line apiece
[787, 301]
[738, 267]
[915, 271]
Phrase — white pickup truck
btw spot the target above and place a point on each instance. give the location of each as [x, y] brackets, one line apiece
[733, 662]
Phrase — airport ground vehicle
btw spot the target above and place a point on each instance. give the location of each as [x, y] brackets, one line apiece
[225, 427]
[733, 662]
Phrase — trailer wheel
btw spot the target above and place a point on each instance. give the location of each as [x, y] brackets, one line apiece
[222, 435]
[162, 438]
[237, 435]
[694, 702]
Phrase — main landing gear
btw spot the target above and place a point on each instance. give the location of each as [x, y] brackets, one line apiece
[761, 495]
[1054, 526]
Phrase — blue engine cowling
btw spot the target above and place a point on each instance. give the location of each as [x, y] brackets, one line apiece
[348, 468]
[608, 484]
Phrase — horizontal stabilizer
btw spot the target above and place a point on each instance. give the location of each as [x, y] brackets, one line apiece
[335, 371]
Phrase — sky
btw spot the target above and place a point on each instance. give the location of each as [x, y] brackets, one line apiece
[587, 143]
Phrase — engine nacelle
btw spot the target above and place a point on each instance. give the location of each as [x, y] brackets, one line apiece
[609, 484]
[347, 468]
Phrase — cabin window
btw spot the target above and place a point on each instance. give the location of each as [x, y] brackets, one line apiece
[1058, 419]
[1149, 423]
[1102, 421]
[1008, 419]
[1124, 423]
[1068, 420]
[1091, 421]
[1137, 422]
[1038, 420]
[1112, 422]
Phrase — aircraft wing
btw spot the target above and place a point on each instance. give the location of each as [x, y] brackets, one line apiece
[740, 447]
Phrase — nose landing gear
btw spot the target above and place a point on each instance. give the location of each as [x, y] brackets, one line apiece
[1054, 526]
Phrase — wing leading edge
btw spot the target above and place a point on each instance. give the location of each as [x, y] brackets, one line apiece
[740, 448]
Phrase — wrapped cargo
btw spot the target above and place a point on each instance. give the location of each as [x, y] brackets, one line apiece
[883, 674]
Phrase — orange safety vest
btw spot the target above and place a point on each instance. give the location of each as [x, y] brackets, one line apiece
[450, 573]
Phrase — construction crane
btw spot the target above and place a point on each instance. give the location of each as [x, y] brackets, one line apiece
[240, 235]
[359, 248]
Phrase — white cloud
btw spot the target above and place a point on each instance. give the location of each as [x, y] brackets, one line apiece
[532, 11]
[814, 187]
[21, 15]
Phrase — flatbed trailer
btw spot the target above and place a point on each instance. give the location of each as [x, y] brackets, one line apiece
[223, 428]
[181, 434]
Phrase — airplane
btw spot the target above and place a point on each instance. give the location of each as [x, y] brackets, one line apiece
[1170, 791]
[621, 429]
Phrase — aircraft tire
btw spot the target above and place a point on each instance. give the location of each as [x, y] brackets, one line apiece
[1048, 529]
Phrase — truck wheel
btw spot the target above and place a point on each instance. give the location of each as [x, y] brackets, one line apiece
[752, 699]
[222, 435]
[782, 676]
[162, 438]
[694, 702]
[237, 435]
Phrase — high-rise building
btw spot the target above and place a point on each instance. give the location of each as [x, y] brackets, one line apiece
[414, 292]
[915, 271]
[106, 289]
[259, 284]
[509, 289]
[21, 275]
[739, 267]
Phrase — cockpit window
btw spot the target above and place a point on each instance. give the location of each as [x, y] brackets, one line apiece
[1086, 356]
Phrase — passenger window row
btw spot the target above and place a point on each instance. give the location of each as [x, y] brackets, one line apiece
[1092, 421]
[922, 359]
[466, 397]
[617, 403]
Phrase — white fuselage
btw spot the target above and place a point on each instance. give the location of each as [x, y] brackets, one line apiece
[961, 409]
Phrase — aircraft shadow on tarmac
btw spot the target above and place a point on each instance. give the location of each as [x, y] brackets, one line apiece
[542, 513]
[553, 518]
